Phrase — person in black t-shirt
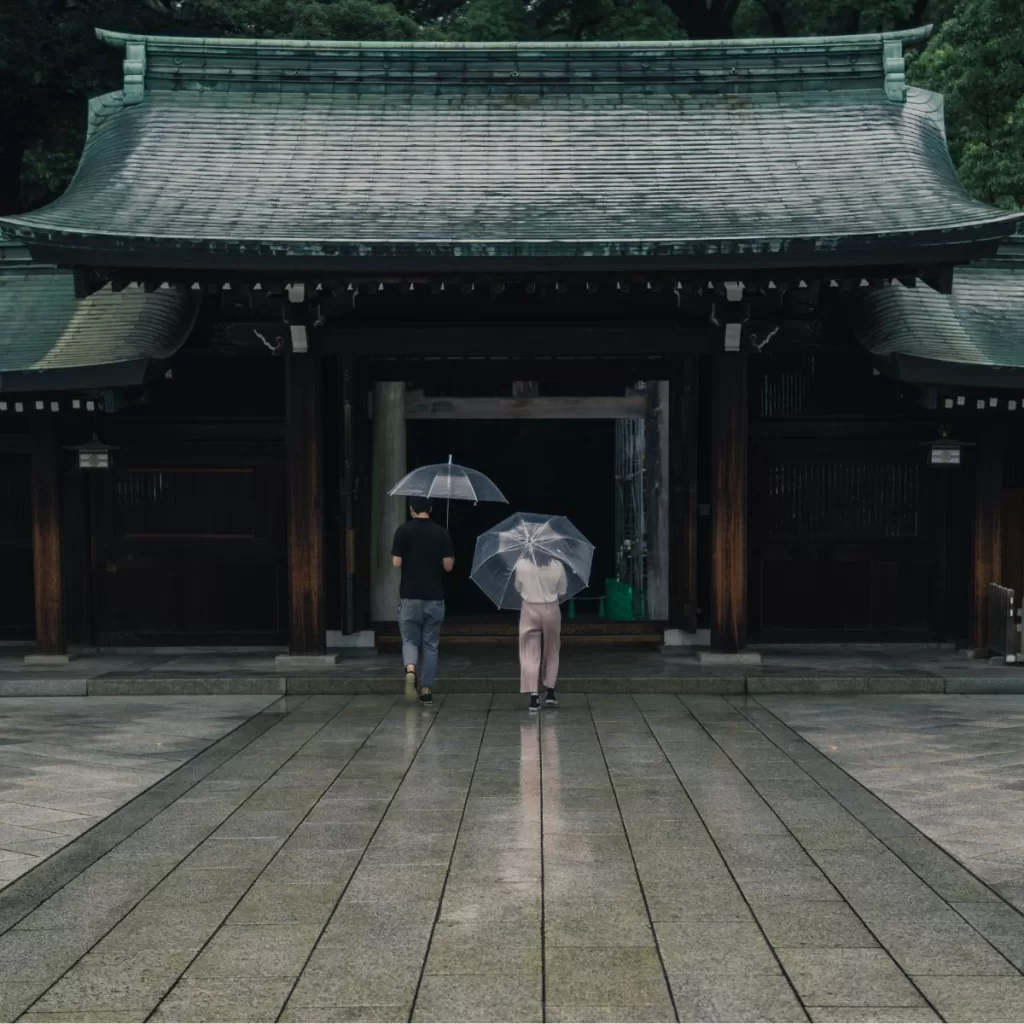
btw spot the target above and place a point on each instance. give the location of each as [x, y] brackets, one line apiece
[423, 550]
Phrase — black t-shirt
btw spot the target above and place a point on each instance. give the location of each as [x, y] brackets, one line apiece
[422, 545]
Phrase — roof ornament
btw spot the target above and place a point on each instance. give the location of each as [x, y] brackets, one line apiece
[134, 72]
[895, 66]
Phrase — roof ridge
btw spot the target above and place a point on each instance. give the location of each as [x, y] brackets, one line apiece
[812, 63]
[909, 36]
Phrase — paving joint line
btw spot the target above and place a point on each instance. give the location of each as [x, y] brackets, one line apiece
[249, 887]
[160, 881]
[796, 839]
[949, 903]
[166, 782]
[718, 849]
[543, 914]
[376, 829]
[632, 857]
[451, 858]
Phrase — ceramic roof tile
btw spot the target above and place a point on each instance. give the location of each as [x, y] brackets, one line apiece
[974, 335]
[276, 151]
[45, 330]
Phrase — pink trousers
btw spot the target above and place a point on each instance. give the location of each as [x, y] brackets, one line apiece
[540, 639]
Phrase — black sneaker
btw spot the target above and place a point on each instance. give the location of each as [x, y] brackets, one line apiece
[534, 702]
[426, 698]
[550, 700]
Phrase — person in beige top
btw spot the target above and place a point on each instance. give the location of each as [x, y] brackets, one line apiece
[541, 581]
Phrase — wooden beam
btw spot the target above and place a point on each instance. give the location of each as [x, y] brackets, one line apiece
[496, 375]
[305, 484]
[528, 337]
[988, 534]
[729, 502]
[51, 635]
[610, 407]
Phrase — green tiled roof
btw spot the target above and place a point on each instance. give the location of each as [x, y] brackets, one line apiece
[973, 337]
[281, 153]
[49, 340]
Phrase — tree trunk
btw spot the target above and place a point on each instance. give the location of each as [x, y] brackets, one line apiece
[705, 19]
[916, 17]
[12, 156]
[777, 20]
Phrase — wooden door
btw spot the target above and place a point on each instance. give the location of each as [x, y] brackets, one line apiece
[17, 619]
[190, 550]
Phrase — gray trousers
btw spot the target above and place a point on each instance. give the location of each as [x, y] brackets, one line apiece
[540, 641]
[420, 625]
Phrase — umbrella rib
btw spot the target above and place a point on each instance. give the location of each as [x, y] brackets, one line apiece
[511, 577]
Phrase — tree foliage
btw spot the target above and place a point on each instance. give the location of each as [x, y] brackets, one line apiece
[977, 61]
[50, 61]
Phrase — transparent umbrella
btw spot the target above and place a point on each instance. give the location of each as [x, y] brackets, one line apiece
[450, 481]
[525, 543]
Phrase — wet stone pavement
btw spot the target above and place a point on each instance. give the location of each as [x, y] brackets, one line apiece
[622, 858]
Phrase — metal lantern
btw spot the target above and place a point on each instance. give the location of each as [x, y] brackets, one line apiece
[93, 454]
[945, 451]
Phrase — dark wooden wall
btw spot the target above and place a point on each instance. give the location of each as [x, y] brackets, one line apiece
[187, 548]
[849, 526]
[1012, 521]
[845, 540]
[17, 613]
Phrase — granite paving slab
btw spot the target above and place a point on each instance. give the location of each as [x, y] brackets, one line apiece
[67, 764]
[951, 766]
[624, 857]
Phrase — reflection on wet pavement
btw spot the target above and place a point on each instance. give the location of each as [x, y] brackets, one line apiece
[626, 858]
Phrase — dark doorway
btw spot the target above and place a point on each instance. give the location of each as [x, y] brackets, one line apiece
[564, 467]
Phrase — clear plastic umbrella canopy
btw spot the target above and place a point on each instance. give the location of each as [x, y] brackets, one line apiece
[449, 481]
[525, 544]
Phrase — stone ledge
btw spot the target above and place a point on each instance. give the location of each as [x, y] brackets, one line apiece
[47, 660]
[44, 687]
[985, 686]
[364, 640]
[722, 660]
[310, 682]
[676, 638]
[213, 686]
[304, 662]
[834, 685]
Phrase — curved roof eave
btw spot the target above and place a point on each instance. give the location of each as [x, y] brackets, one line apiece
[279, 154]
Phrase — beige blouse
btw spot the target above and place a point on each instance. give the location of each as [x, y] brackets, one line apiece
[540, 584]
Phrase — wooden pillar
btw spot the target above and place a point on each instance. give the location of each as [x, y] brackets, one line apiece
[389, 466]
[657, 499]
[729, 503]
[988, 533]
[348, 492]
[683, 454]
[51, 635]
[305, 485]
